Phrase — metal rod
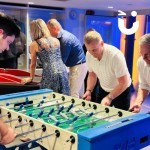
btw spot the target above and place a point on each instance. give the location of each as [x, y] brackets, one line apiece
[41, 102]
[21, 125]
[1, 116]
[52, 118]
[21, 134]
[105, 118]
[95, 121]
[26, 101]
[77, 117]
[7, 121]
[19, 119]
[120, 122]
[37, 139]
[41, 107]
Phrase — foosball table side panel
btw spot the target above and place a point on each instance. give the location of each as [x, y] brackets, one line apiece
[129, 133]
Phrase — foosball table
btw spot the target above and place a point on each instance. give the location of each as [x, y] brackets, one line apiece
[52, 121]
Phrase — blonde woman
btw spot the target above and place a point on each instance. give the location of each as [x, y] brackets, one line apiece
[47, 49]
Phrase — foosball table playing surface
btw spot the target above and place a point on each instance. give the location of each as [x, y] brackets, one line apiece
[48, 120]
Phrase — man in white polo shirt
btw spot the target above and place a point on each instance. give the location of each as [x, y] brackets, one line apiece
[108, 64]
[144, 73]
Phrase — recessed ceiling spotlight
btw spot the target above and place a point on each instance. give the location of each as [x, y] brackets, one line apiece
[61, 0]
[110, 7]
[30, 3]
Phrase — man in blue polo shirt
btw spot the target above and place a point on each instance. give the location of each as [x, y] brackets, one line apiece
[72, 55]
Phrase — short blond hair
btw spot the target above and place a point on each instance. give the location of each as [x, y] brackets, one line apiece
[54, 23]
[92, 36]
[38, 29]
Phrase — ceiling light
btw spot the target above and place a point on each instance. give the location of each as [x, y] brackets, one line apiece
[110, 7]
[30, 3]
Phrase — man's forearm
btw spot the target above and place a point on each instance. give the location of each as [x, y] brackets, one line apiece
[120, 88]
[117, 91]
[91, 81]
[142, 94]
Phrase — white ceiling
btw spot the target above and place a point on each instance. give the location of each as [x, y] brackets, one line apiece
[124, 5]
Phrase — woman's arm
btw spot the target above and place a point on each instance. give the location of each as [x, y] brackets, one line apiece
[33, 51]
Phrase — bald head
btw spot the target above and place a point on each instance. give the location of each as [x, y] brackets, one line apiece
[54, 27]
